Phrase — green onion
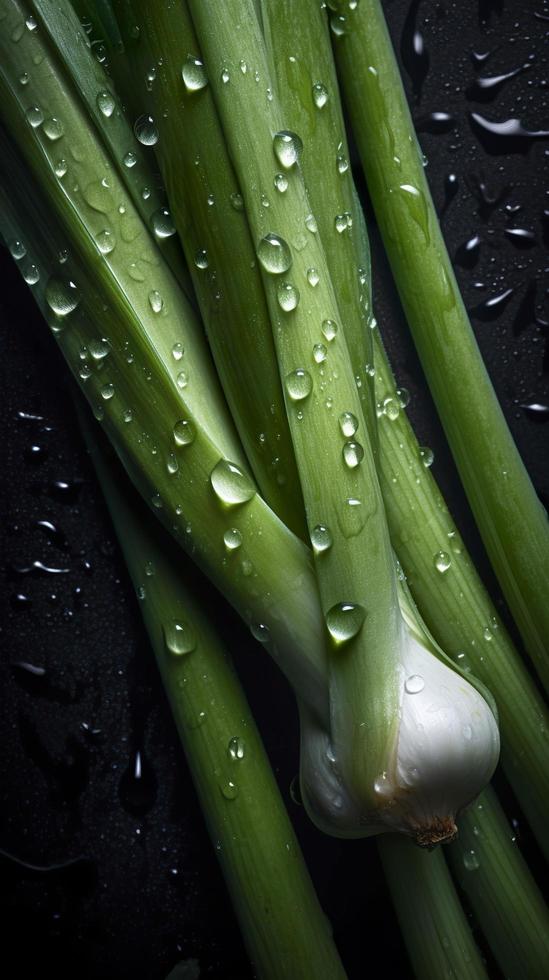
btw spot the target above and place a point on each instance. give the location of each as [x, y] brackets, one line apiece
[285, 930]
[501, 890]
[144, 367]
[379, 653]
[511, 519]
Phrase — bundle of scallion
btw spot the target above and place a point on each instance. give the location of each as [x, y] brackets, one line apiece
[285, 466]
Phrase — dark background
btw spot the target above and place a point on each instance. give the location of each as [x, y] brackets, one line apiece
[105, 876]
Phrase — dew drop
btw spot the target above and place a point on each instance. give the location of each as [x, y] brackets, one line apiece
[321, 539]
[470, 860]
[183, 433]
[287, 147]
[194, 74]
[130, 160]
[31, 275]
[236, 748]
[61, 297]
[98, 349]
[107, 392]
[53, 128]
[156, 302]
[105, 104]
[225, 77]
[299, 384]
[427, 456]
[179, 638]
[230, 485]
[35, 116]
[343, 221]
[391, 409]
[344, 621]
[201, 259]
[342, 164]
[105, 241]
[320, 353]
[172, 464]
[182, 379]
[311, 224]
[329, 330]
[17, 250]
[288, 296]
[232, 539]
[274, 254]
[237, 201]
[320, 95]
[162, 224]
[414, 684]
[281, 183]
[145, 130]
[348, 423]
[313, 277]
[177, 351]
[260, 632]
[353, 454]
[442, 561]
[229, 790]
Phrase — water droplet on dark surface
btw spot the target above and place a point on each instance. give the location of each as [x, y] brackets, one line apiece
[451, 187]
[487, 201]
[536, 412]
[138, 785]
[21, 601]
[54, 535]
[487, 87]
[467, 255]
[479, 57]
[65, 491]
[492, 307]
[436, 123]
[415, 56]
[35, 454]
[521, 237]
[38, 568]
[508, 136]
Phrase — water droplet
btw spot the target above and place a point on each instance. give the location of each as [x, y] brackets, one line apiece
[237, 201]
[24, 78]
[60, 167]
[179, 638]
[288, 296]
[182, 379]
[414, 684]
[31, 24]
[427, 456]
[31, 275]
[348, 423]
[343, 221]
[85, 372]
[145, 130]
[62, 297]
[105, 241]
[467, 254]
[229, 790]
[471, 861]
[201, 259]
[260, 632]
[321, 539]
[403, 396]
[435, 123]
[128, 415]
[329, 330]
[107, 391]
[236, 748]
[232, 539]
[342, 164]
[274, 254]
[53, 128]
[509, 136]
[98, 349]
[172, 464]
[442, 561]
[156, 302]
[149, 569]
[353, 454]
[320, 95]
[287, 147]
[230, 484]
[35, 116]
[130, 160]
[194, 74]
[299, 384]
[313, 277]
[311, 224]
[344, 621]
[183, 433]
[391, 408]
[225, 77]
[320, 353]
[281, 183]
[177, 351]
[17, 249]
[162, 224]
[105, 104]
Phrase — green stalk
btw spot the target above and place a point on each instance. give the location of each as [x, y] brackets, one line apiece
[433, 923]
[143, 363]
[285, 931]
[501, 890]
[453, 602]
[510, 517]
[208, 213]
[356, 572]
